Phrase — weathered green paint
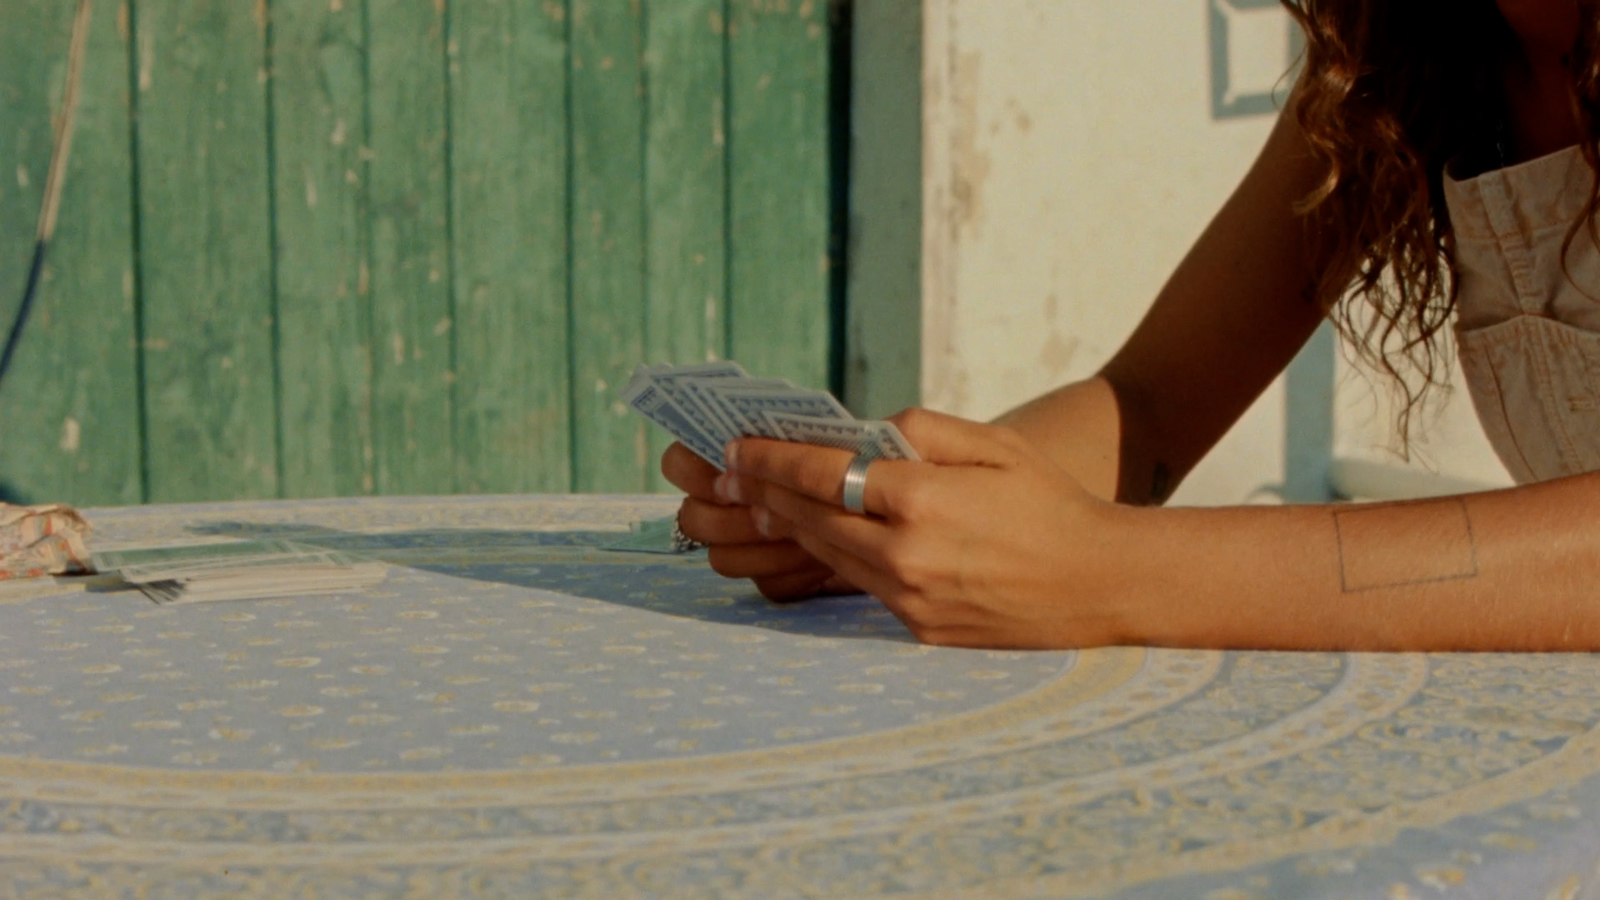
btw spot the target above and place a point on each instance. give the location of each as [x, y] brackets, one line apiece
[779, 188]
[685, 181]
[319, 94]
[883, 342]
[69, 410]
[508, 77]
[205, 246]
[410, 282]
[402, 246]
[607, 228]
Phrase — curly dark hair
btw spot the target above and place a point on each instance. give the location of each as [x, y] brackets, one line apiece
[1390, 91]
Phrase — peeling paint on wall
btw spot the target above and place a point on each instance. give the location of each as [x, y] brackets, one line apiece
[969, 159]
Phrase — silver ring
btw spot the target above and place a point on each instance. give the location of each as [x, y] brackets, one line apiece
[854, 494]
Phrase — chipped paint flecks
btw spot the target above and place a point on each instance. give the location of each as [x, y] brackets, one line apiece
[969, 161]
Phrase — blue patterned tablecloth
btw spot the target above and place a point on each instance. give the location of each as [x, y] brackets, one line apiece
[516, 713]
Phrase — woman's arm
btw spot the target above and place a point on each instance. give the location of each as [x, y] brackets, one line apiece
[988, 543]
[1516, 569]
[1229, 319]
[1005, 536]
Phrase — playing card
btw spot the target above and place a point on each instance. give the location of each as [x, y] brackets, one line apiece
[647, 398]
[163, 559]
[677, 382]
[711, 393]
[877, 440]
[708, 409]
[721, 368]
[753, 406]
[708, 404]
[239, 570]
[654, 536]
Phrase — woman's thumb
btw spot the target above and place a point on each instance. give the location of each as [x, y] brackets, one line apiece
[952, 441]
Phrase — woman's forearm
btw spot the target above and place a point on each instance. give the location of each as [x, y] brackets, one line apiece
[1227, 322]
[1079, 427]
[1105, 438]
[1517, 569]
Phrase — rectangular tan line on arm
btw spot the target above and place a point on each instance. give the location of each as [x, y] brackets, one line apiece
[1403, 544]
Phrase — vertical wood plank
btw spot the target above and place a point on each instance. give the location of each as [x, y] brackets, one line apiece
[608, 310]
[324, 322]
[69, 409]
[411, 305]
[508, 82]
[205, 248]
[685, 190]
[884, 371]
[779, 188]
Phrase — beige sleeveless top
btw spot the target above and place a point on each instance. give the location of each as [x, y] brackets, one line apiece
[1528, 334]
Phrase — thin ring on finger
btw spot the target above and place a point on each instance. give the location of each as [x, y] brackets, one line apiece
[853, 492]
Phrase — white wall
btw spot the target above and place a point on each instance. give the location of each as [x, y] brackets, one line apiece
[1071, 157]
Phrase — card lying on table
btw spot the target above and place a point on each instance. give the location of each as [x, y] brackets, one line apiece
[707, 405]
[241, 570]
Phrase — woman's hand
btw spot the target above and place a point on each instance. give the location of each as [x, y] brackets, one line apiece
[986, 543]
[780, 569]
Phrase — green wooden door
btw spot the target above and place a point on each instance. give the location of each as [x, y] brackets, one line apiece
[314, 248]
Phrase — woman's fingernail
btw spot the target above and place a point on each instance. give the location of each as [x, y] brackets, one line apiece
[763, 520]
[726, 488]
[731, 453]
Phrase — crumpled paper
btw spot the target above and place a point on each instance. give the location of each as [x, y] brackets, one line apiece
[43, 540]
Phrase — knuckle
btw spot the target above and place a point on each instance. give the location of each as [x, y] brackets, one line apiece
[912, 422]
[916, 500]
[902, 561]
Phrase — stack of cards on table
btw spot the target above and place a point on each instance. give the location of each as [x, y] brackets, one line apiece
[709, 404]
[242, 570]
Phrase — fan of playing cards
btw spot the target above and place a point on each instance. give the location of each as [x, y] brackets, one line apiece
[709, 404]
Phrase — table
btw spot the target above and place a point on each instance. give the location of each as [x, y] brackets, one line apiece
[516, 713]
